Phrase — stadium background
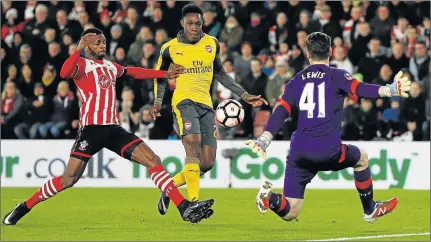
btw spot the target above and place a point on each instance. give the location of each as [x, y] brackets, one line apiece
[262, 47]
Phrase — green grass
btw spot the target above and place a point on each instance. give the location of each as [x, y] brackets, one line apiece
[131, 214]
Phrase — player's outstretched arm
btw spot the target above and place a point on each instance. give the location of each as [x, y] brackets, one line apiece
[274, 124]
[221, 76]
[399, 87]
[143, 73]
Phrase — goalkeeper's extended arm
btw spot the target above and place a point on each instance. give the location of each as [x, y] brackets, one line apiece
[398, 88]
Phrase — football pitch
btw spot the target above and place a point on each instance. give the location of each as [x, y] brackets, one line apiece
[131, 214]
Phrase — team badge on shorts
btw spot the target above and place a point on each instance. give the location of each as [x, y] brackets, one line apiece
[188, 125]
[208, 48]
[83, 145]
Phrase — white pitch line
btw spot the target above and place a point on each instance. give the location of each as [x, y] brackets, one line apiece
[375, 237]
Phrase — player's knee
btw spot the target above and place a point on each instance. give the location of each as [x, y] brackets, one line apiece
[363, 162]
[145, 156]
[192, 144]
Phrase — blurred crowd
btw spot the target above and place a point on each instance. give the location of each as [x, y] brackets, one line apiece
[261, 46]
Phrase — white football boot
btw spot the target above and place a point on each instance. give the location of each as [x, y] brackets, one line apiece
[262, 198]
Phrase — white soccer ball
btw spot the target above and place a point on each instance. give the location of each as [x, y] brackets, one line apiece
[230, 113]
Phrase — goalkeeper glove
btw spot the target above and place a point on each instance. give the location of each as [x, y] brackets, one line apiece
[259, 145]
[399, 87]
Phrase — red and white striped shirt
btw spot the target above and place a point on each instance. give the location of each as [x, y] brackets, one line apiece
[96, 80]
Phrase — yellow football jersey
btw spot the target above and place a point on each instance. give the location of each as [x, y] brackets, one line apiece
[198, 61]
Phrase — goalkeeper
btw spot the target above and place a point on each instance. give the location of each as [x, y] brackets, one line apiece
[318, 92]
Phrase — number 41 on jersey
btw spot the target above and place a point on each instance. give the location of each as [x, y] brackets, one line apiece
[306, 102]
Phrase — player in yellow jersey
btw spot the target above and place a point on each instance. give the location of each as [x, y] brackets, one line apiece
[197, 52]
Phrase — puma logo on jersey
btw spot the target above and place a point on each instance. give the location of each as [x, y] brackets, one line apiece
[180, 53]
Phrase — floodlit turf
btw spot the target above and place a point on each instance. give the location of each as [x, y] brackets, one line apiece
[131, 214]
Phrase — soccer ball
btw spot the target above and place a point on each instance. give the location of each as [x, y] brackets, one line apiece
[230, 113]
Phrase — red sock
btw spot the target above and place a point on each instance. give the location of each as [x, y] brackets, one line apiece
[163, 181]
[49, 189]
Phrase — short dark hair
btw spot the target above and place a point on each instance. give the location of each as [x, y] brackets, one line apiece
[191, 8]
[318, 45]
[421, 42]
[92, 31]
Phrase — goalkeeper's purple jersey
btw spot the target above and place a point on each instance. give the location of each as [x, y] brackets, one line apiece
[318, 92]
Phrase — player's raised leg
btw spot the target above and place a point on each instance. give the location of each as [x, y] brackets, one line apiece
[85, 146]
[73, 172]
[364, 184]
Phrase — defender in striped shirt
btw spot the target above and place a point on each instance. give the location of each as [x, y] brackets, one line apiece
[95, 78]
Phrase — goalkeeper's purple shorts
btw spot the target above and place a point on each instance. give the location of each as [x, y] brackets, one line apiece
[302, 166]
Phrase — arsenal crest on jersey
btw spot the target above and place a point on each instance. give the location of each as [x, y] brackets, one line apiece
[209, 48]
[104, 81]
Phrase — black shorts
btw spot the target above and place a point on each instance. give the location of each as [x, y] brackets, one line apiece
[91, 139]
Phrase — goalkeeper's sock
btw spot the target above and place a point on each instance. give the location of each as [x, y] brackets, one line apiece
[279, 204]
[163, 181]
[48, 190]
[192, 174]
[364, 185]
[179, 179]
